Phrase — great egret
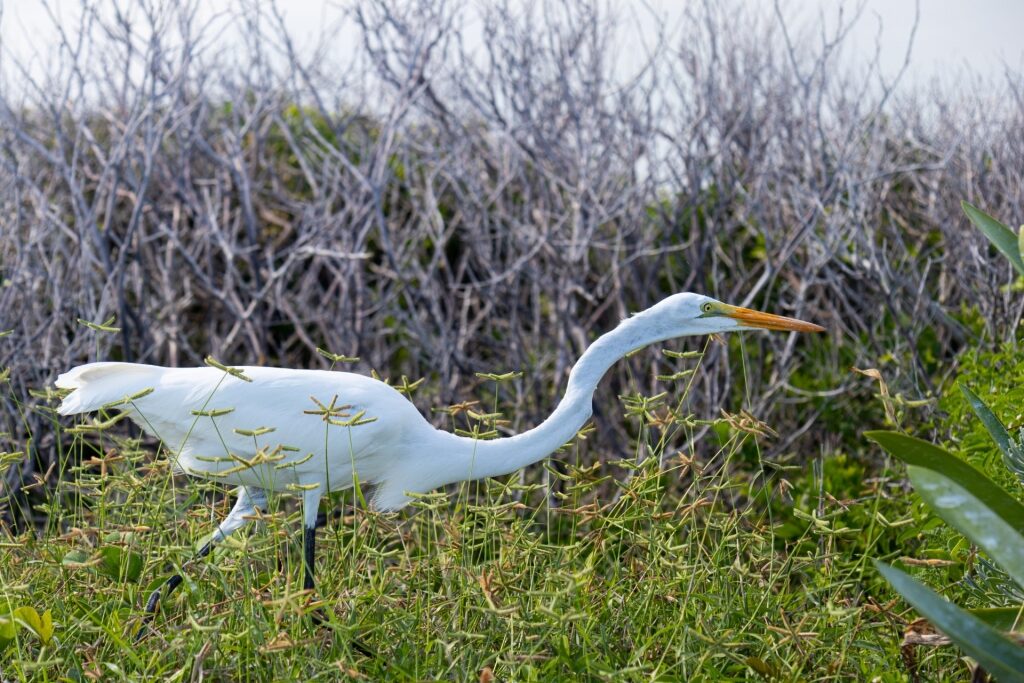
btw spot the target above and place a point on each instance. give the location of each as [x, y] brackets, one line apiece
[314, 431]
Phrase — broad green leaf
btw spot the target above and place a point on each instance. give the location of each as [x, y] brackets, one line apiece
[111, 564]
[42, 626]
[46, 632]
[1000, 656]
[75, 558]
[998, 234]
[8, 631]
[28, 616]
[1002, 618]
[1020, 241]
[988, 418]
[119, 563]
[971, 517]
[929, 456]
[133, 570]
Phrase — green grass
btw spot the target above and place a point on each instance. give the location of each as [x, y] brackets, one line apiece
[643, 572]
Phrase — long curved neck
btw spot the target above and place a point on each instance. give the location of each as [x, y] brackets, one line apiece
[469, 458]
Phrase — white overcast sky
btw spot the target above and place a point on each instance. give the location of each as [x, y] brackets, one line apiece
[953, 36]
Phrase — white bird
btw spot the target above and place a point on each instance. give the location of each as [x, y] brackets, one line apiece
[314, 431]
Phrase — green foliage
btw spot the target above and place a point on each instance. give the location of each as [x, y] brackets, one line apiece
[1000, 235]
[998, 654]
[994, 379]
[981, 520]
[118, 563]
[657, 566]
[849, 511]
[978, 508]
[926, 456]
[8, 631]
[39, 625]
[1011, 448]
[995, 428]
[971, 502]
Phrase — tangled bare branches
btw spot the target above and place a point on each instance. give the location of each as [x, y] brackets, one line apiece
[462, 189]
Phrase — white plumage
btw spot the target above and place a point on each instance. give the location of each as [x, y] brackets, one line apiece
[206, 416]
[318, 431]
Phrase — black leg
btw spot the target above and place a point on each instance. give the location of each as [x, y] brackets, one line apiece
[309, 583]
[309, 553]
[168, 586]
[249, 501]
[310, 510]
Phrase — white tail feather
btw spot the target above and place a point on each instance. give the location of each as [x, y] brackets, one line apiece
[97, 384]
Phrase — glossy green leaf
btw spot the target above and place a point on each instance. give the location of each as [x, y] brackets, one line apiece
[29, 617]
[119, 563]
[992, 423]
[929, 456]
[998, 234]
[970, 516]
[41, 625]
[1001, 618]
[8, 631]
[46, 632]
[1000, 656]
[1020, 241]
[75, 558]
[119, 537]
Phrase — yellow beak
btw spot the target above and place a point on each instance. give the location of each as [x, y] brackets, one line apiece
[767, 321]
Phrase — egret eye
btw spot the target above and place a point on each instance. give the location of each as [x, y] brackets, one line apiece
[706, 307]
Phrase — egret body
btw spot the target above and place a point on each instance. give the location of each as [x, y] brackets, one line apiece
[272, 429]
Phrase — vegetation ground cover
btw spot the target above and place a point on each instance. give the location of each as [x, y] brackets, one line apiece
[658, 566]
[162, 200]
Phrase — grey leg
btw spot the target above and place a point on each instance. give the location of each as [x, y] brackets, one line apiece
[249, 500]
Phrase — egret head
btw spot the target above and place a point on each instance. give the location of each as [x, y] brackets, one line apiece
[698, 314]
